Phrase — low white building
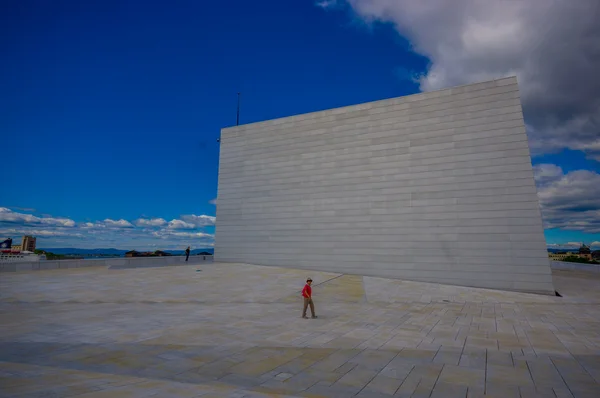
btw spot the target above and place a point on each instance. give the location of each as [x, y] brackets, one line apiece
[11, 256]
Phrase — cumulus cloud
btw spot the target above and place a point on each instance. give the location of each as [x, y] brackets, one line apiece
[9, 216]
[117, 223]
[569, 201]
[327, 3]
[120, 233]
[564, 246]
[166, 234]
[191, 235]
[27, 209]
[150, 222]
[546, 174]
[179, 224]
[553, 47]
[573, 246]
[45, 232]
[199, 221]
[50, 232]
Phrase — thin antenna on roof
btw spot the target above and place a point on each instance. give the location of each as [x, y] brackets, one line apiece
[237, 123]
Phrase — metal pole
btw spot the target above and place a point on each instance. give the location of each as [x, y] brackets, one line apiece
[238, 111]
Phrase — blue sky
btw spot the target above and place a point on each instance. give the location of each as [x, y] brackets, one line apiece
[112, 108]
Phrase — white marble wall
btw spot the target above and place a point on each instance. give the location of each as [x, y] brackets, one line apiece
[434, 187]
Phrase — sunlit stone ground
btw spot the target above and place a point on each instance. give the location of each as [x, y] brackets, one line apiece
[233, 330]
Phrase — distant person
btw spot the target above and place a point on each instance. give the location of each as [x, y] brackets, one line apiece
[187, 253]
[307, 295]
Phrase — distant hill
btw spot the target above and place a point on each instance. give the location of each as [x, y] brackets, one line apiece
[211, 251]
[113, 252]
[192, 253]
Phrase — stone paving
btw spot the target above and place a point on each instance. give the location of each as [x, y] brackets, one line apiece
[234, 330]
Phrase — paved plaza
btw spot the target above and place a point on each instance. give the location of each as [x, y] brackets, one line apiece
[234, 330]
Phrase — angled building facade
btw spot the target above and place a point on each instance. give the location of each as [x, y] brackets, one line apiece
[434, 187]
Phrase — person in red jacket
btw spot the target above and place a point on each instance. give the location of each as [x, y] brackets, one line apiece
[307, 295]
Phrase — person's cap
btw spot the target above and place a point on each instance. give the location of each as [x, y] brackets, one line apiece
[309, 280]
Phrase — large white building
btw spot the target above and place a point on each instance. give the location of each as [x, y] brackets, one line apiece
[434, 187]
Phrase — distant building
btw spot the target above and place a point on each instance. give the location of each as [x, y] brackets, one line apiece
[10, 252]
[596, 255]
[585, 252]
[559, 256]
[28, 243]
[132, 253]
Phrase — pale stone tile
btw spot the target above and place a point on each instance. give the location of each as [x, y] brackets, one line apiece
[508, 375]
[462, 376]
[233, 328]
[449, 390]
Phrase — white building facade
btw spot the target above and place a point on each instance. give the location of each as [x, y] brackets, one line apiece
[434, 187]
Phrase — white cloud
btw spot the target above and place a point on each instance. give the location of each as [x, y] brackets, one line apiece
[546, 174]
[44, 232]
[327, 3]
[108, 224]
[151, 222]
[195, 235]
[117, 223]
[569, 201]
[553, 47]
[9, 216]
[179, 224]
[574, 245]
[40, 232]
[27, 209]
[166, 234]
[121, 233]
[199, 221]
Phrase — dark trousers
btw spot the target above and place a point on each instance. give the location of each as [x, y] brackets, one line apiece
[187, 255]
[307, 302]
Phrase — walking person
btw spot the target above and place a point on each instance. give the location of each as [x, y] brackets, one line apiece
[307, 295]
[187, 253]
